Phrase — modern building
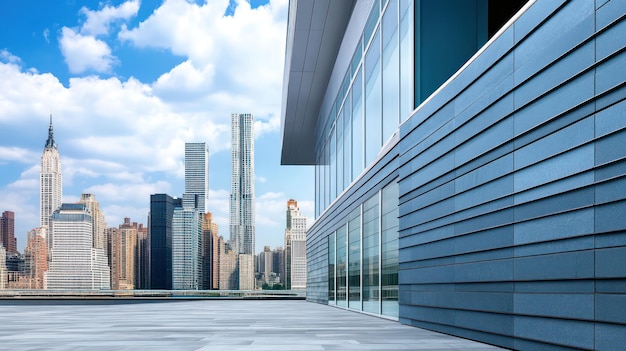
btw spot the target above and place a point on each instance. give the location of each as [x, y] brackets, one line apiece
[196, 176]
[295, 248]
[123, 246]
[245, 269]
[4, 278]
[160, 232]
[210, 252]
[36, 258]
[99, 225]
[186, 249]
[7, 232]
[50, 182]
[469, 162]
[74, 262]
[242, 200]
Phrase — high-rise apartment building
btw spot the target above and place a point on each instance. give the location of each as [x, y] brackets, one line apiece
[142, 258]
[75, 263]
[295, 248]
[99, 225]
[196, 176]
[7, 232]
[242, 200]
[186, 249]
[50, 182]
[36, 258]
[227, 270]
[469, 163]
[123, 246]
[160, 232]
[4, 279]
[210, 250]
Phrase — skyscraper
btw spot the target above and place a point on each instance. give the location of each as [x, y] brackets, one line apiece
[123, 250]
[196, 176]
[295, 248]
[142, 258]
[7, 232]
[99, 225]
[160, 231]
[186, 240]
[36, 258]
[242, 183]
[50, 182]
[210, 256]
[75, 263]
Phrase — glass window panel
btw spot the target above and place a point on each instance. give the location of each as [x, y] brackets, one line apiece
[354, 259]
[357, 125]
[373, 100]
[339, 153]
[332, 166]
[331, 269]
[406, 59]
[389, 250]
[371, 287]
[341, 263]
[347, 142]
[391, 71]
[356, 58]
[370, 25]
[317, 189]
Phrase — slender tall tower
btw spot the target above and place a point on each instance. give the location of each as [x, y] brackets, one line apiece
[196, 176]
[295, 248]
[242, 196]
[50, 183]
[242, 183]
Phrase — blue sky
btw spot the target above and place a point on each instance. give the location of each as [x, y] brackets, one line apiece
[127, 84]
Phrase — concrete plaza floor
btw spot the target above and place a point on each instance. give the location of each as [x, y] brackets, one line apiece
[210, 325]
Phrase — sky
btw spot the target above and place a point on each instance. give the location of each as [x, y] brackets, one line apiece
[127, 84]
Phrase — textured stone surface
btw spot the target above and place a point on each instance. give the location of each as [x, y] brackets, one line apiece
[207, 325]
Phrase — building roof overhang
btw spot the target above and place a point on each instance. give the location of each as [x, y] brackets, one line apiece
[315, 30]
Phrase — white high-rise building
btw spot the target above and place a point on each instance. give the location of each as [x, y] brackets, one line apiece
[50, 182]
[242, 193]
[186, 245]
[196, 176]
[99, 225]
[295, 248]
[75, 263]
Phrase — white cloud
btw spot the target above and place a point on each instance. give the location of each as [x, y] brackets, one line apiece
[98, 22]
[46, 35]
[83, 53]
[17, 154]
[6, 56]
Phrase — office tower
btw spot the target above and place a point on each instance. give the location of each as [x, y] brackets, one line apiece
[228, 275]
[469, 159]
[50, 182]
[266, 264]
[210, 256]
[142, 258]
[295, 248]
[196, 176]
[36, 257]
[278, 262]
[7, 232]
[160, 232]
[99, 225]
[4, 279]
[186, 246]
[75, 263]
[242, 198]
[123, 254]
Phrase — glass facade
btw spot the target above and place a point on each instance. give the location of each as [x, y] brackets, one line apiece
[358, 253]
[376, 94]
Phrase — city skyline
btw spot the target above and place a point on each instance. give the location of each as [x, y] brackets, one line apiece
[123, 105]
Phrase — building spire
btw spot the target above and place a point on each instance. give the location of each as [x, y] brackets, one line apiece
[50, 142]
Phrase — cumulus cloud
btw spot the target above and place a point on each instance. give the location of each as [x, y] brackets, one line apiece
[7, 57]
[98, 22]
[83, 53]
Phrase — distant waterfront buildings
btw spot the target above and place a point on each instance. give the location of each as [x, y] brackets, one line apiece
[75, 263]
[228, 276]
[295, 248]
[3, 268]
[50, 182]
[210, 252]
[7, 232]
[36, 258]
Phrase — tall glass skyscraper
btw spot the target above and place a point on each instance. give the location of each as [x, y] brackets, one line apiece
[50, 182]
[242, 196]
[242, 183]
[196, 176]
